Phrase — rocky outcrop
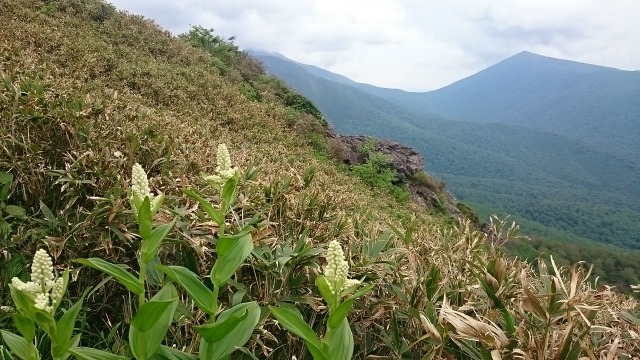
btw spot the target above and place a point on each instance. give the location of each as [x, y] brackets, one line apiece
[407, 162]
[403, 159]
[424, 196]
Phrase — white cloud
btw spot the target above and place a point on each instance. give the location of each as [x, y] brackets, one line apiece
[413, 44]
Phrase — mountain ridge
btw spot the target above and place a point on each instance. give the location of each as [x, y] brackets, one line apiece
[475, 151]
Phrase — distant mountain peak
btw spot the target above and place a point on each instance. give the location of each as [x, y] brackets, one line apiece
[527, 60]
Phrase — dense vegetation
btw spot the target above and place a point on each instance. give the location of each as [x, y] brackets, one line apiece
[88, 93]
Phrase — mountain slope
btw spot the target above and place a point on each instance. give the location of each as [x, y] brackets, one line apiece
[548, 178]
[593, 104]
[89, 91]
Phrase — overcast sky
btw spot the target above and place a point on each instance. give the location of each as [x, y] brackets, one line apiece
[413, 44]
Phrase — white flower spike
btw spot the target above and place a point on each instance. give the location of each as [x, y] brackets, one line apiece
[224, 171]
[42, 282]
[337, 269]
[140, 189]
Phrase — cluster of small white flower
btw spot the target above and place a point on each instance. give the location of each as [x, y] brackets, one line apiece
[224, 171]
[42, 282]
[337, 269]
[140, 189]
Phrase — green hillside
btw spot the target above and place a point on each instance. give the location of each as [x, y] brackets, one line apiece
[161, 197]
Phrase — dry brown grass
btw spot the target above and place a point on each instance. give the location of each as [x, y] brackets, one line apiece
[87, 91]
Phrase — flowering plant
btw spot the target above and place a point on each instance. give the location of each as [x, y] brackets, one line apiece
[36, 304]
[153, 317]
[230, 329]
[339, 292]
[224, 171]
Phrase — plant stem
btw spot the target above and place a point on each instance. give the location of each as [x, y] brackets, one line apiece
[143, 271]
[216, 290]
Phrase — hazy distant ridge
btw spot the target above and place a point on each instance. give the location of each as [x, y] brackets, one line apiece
[510, 151]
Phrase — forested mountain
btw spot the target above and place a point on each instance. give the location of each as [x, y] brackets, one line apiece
[555, 181]
[594, 104]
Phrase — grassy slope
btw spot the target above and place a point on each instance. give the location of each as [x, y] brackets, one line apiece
[87, 92]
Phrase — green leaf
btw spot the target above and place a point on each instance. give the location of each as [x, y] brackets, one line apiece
[25, 326]
[4, 192]
[65, 284]
[144, 343]
[16, 211]
[153, 275]
[201, 295]
[340, 313]
[145, 219]
[229, 193]
[174, 354]
[85, 353]
[214, 214]
[216, 331]
[75, 341]
[6, 178]
[65, 326]
[236, 337]
[120, 274]
[237, 250]
[23, 302]
[340, 341]
[329, 297]
[151, 243]
[363, 290]
[294, 323]
[630, 318]
[20, 346]
[46, 322]
[149, 313]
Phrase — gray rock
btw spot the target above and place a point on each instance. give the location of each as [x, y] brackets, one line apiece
[403, 159]
[406, 161]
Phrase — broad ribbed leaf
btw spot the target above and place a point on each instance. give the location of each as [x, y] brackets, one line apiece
[236, 337]
[65, 326]
[340, 313]
[229, 193]
[218, 330]
[46, 322]
[152, 242]
[25, 326]
[14, 210]
[149, 313]
[237, 250]
[6, 177]
[198, 292]
[23, 302]
[295, 324]
[20, 346]
[85, 353]
[145, 220]
[329, 297]
[340, 342]
[145, 343]
[120, 274]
